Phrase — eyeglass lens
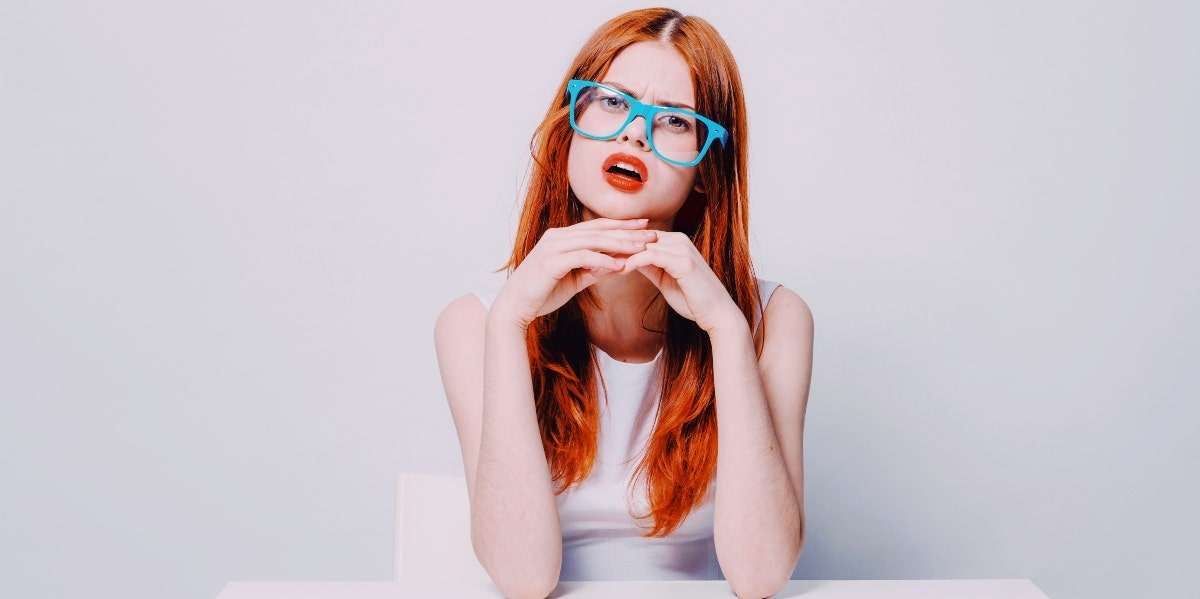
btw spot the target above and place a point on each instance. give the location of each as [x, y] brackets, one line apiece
[675, 135]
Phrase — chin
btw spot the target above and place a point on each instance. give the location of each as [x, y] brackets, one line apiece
[615, 211]
[623, 206]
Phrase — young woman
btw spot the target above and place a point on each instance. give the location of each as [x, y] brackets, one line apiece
[632, 339]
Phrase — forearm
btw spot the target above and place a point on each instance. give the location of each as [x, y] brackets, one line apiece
[757, 521]
[515, 525]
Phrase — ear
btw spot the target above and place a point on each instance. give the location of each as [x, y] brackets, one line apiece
[699, 186]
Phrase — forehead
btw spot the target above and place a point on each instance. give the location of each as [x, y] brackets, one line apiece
[654, 71]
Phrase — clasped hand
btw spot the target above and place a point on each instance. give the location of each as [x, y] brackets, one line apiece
[568, 260]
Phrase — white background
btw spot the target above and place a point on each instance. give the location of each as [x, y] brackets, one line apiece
[226, 230]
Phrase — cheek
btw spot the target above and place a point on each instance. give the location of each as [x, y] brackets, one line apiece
[577, 163]
[680, 180]
[573, 159]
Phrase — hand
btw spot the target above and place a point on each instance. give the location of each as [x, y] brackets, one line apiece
[566, 261]
[685, 280]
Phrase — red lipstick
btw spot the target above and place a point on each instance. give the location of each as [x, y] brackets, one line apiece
[625, 172]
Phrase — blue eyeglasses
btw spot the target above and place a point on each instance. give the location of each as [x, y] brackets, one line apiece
[678, 136]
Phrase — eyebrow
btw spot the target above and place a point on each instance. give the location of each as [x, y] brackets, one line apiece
[657, 102]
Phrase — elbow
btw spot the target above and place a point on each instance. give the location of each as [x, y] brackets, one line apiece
[763, 579]
[527, 578]
[766, 577]
[525, 568]
[526, 585]
[759, 586]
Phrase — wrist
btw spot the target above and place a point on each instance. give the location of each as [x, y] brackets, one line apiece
[731, 326]
[501, 319]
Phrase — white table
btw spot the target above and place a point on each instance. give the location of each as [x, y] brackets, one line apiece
[806, 589]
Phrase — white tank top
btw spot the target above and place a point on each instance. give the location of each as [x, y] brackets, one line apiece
[601, 538]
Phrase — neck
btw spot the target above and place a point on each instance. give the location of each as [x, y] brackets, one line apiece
[624, 311]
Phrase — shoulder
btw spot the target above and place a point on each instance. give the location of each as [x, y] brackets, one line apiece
[460, 321]
[458, 338]
[785, 365]
[782, 310]
[787, 329]
[787, 308]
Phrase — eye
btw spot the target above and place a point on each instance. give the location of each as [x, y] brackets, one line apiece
[676, 123]
[611, 102]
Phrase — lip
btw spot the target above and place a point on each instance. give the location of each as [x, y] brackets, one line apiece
[621, 182]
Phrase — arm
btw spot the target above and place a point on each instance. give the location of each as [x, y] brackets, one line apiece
[484, 363]
[514, 517]
[758, 521]
[759, 511]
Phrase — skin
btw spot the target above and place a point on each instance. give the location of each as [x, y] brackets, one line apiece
[624, 250]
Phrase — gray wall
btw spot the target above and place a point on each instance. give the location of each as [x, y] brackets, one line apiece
[226, 230]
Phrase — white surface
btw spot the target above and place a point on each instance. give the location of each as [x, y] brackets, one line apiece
[805, 589]
[226, 229]
[433, 530]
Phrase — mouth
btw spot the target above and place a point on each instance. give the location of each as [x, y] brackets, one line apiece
[625, 172]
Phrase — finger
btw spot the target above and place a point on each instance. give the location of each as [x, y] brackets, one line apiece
[675, 265]
[677, 243]
[608, 241]
[676, 236]
[686, 249]
[561, 264]
[653, 273]
[591, 276]
[610, 223]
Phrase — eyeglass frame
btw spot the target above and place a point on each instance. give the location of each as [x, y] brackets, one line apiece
[647, 112]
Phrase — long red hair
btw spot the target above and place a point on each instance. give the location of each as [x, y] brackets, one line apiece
[681, 457]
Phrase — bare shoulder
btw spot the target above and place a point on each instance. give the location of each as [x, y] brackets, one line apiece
[463, 313]
[786, 368]
[787, 330]
[458, 339]
[786, 318]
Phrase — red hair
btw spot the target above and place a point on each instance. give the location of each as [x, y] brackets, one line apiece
[681, 457]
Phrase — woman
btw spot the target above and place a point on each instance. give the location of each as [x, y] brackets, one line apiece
[631, 339]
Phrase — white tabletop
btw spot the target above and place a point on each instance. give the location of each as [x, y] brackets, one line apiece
[807, 589]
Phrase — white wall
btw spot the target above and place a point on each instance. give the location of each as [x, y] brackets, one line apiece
[226, 230]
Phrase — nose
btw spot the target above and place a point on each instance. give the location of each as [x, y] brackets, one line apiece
[635, 132]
